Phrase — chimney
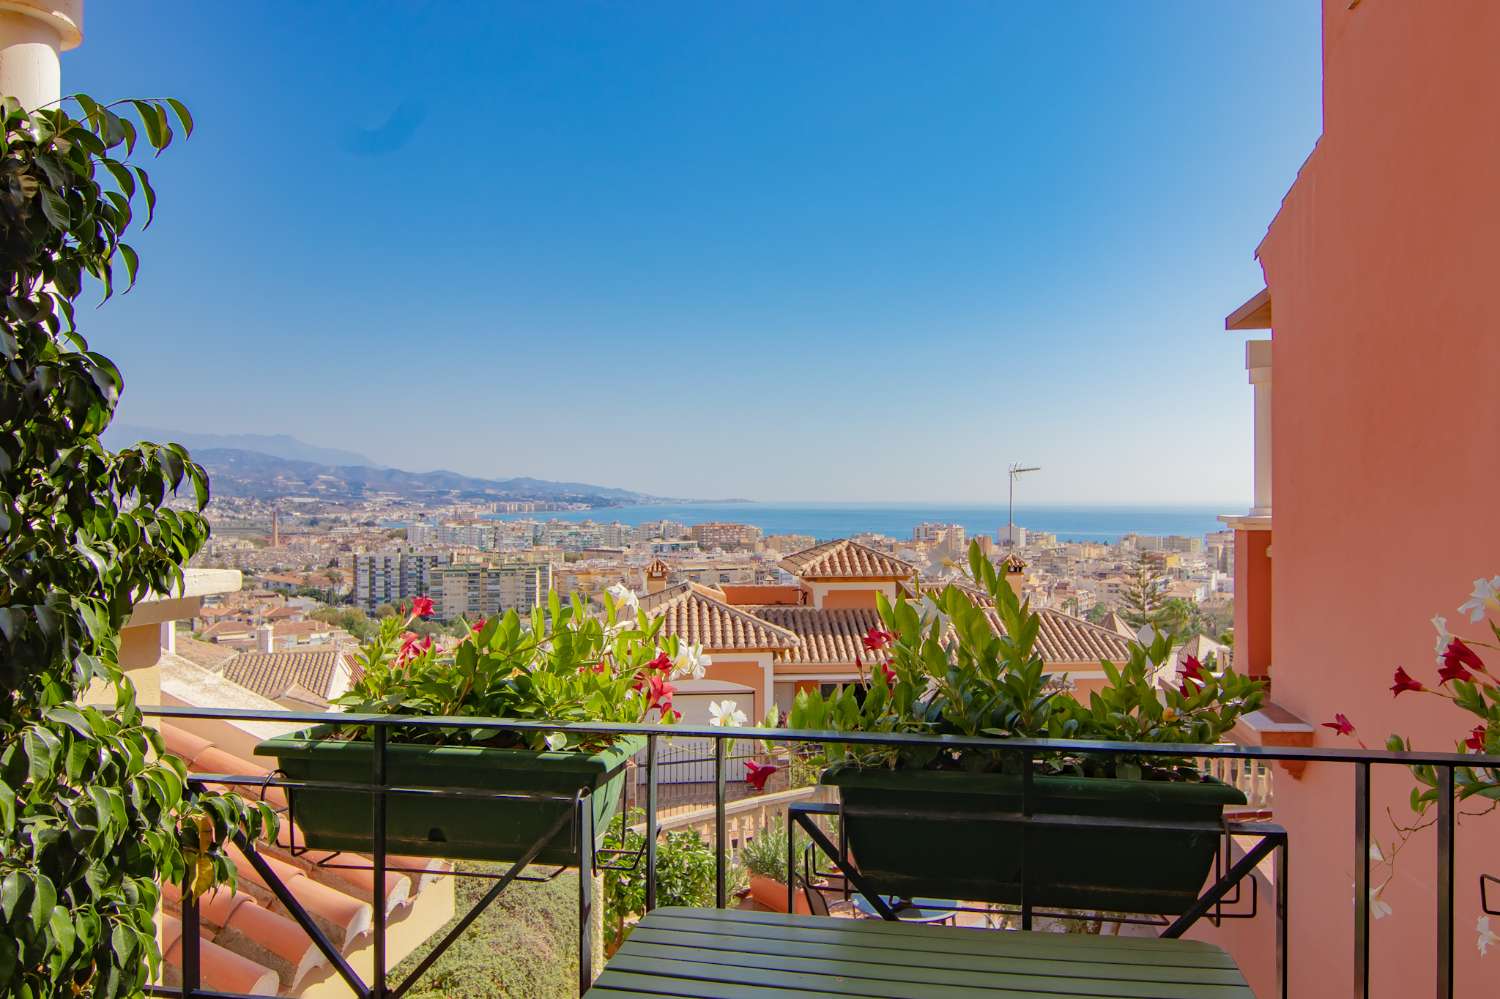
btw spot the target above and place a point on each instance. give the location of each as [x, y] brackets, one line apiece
[1015, 573]
[263, 638]
[656, 576]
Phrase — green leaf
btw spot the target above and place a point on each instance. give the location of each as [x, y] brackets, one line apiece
[132, 262]
[182, 116]
[13, 889]
[56, 210]
[150, 195]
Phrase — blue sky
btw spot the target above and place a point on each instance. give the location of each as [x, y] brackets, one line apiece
[822, 251]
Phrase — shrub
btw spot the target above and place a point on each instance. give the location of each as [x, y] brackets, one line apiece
[686, 874]
[524, 946]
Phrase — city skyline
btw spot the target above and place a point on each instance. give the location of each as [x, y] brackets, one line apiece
[611, 212]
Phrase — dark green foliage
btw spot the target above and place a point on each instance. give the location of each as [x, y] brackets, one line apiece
[92, 814]
[524, 946]
[949, 670]
[686, 874]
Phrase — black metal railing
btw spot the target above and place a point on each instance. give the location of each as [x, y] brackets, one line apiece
[1270, 840]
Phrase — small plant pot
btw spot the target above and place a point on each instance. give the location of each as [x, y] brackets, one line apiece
[470, 828]
[771, 893]
[925, 833]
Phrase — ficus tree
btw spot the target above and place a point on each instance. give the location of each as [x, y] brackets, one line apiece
[94, 814]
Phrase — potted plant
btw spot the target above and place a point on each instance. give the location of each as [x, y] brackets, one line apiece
[564, 664]
[764, 859]
[922, 820]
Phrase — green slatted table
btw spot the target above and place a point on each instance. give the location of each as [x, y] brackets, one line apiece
[735, 954]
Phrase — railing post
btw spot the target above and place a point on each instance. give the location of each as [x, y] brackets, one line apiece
[191, 950]
[1027, 766]
[377, 812]
[721, 872]
[650, 822]
[1283, 908]
[1361, 880]
[1445, 883]
[585, 824]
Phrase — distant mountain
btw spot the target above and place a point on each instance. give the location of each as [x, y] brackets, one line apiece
[252, 475]
[275, 445]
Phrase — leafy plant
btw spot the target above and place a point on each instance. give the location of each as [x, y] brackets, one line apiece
[564, 664]
[686, 874]
[965, 662]
[765, 853]
[93, 813]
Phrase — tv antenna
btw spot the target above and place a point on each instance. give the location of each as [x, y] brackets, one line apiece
[1016, 471]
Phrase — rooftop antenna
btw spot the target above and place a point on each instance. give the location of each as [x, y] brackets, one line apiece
[1016, 471]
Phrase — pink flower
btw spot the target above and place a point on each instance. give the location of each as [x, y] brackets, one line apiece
[421, 607]
[479, 625]
[1458, 660]
[662, 662]
[659, 693]
[756, 774]
[889, 674]
[1403, 682]
[1475, 741]
[875, 639]
[412, 645]
[1340, 724]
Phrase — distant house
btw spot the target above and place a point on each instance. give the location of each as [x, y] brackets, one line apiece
[298, 680]
[767, 642]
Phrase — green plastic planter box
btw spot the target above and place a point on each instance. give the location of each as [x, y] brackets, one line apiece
[925, 851]
[452, 828]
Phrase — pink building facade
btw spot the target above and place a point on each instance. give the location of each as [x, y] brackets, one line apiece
[1382, 271]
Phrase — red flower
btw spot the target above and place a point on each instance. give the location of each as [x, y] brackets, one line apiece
[412, 645]
[890, 675]
[875, 639]
[659, 693]
[1192, 668]
[599, 667]
[1475, 741]
[1341, 724]
[1458, 659]
[662, 662]
[1403, 682]
[479, 625]
[756, 774]
[421, 607]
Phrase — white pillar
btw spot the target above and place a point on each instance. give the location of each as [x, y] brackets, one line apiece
[32, 35]
[1258, 364]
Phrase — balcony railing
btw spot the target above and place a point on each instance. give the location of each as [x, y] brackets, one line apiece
[1241, 764]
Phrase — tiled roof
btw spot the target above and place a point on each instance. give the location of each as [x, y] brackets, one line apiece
[827, 636]
[270, 674]
[846, 559]
[658, 568]
[1062, 638]
[698, 614]
[209, 655]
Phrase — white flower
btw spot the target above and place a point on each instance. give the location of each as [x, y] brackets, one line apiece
[624, 597]
[1486, 594]
[1440, 625]
[1375, 853]
[690, 661]
[932, 612]
[726, 713]
[1487, 937]
[1379, 909]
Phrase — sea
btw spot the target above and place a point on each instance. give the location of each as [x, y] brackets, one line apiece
[825, 521]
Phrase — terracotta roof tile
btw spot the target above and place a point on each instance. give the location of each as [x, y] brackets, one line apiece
[826, 636]
[699, 615]
[1062, 638]
[845, 559]
[271, 674]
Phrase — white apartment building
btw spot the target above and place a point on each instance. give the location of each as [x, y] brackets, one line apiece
[392, 577]
[474, 591]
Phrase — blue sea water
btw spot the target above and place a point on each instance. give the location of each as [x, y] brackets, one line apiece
[840, 520]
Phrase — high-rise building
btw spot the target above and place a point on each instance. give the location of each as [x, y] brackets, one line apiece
[473, 591]
[392, 577]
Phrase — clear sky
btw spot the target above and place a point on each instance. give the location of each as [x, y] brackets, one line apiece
[800, 250]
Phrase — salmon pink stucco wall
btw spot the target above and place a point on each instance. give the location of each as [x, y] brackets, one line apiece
[1384, 271]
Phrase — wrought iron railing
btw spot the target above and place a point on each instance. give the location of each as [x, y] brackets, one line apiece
[1269, 841]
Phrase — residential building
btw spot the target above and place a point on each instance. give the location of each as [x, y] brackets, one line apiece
[473, 590]
[392, 577]
[1380, 271]
[726, 536]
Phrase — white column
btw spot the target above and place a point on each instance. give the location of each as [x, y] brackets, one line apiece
[1258, 364]
[32, 35]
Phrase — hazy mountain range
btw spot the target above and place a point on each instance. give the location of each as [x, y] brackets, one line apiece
[263, 466]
